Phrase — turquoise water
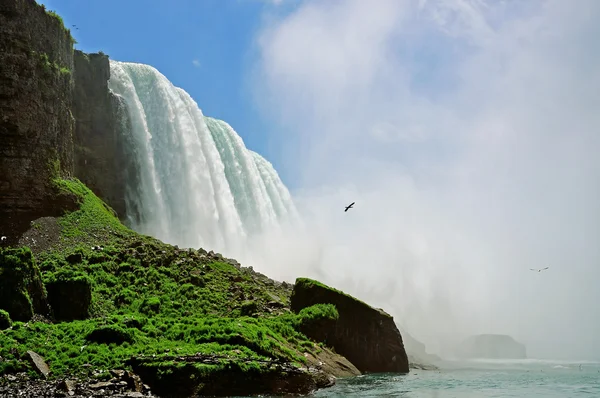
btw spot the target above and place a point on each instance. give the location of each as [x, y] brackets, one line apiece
[479, 379]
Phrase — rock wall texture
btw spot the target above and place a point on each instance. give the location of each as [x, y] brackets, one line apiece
[36, 124]
[100, 160]
[366, 336]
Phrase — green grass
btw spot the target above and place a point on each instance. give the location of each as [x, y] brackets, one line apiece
[49, 66]
[53, 14]
[308, 283]
[151, 298]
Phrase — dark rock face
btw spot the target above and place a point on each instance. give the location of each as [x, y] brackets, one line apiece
[368, 337]
[5, 321]
[185, 380]
[492, 346]
[21, 289]
[101, 124]
[418, 357]
[36, 125]
[70, 299]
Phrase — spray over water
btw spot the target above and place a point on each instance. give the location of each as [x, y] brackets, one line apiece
[198, 185]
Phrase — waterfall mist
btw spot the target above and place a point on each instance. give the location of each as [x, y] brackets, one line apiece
[467, 134]
[197, 183]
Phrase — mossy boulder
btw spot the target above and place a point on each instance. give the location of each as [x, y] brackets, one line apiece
[368, 337]
[216, 375]
[21, 290]
[70, 295]
[5, 321]
[111, 334]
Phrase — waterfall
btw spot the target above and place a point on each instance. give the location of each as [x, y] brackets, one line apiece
[197, 185]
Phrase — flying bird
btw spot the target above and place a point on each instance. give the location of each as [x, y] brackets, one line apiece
[539, 270]
[349, 206]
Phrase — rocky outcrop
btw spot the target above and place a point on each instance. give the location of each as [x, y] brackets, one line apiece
[212, 375]
[21, 289]
[368, 337]
[491, 346]
[36, 125]
[69, 298]
[418, 357]
[101, 123]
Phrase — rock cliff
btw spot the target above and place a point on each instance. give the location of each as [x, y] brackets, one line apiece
[101, 123]
[368, 337]
[492, 346]
[418, 357]
[36, 124]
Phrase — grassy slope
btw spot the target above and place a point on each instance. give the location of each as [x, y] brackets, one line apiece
[158, 299]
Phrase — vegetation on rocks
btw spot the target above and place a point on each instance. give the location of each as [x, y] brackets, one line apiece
[116, 295]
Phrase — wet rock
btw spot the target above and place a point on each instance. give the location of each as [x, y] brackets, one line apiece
[101, 384]
[21, 290]
[70, 298]
[184, 379]
[38, 363]
[5, 321]
[67, 386]
[368, 337]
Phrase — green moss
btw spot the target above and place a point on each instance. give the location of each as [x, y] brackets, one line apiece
[93, 215]
[54, 15]
[307, 283]
[149, 298]
[20, 283]
[318, 311]
[49, 67]
[5, 321]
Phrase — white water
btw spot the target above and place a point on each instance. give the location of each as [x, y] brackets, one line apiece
[199, 186]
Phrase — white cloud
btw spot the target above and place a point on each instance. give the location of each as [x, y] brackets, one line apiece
[467, 133]
[196, 63]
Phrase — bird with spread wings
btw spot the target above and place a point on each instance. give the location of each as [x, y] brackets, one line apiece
[539, 270]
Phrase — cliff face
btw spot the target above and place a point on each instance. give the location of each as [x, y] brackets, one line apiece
[492, 346]
[418, 357]
[36, 125]
[101, 119]
[368, 337]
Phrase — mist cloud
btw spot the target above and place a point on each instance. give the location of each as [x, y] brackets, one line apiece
[468, 134]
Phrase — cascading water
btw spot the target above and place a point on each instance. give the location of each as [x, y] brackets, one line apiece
[197, 183]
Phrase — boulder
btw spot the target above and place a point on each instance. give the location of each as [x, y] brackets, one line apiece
[212, 375]
[366, 336]
[491, 346]
[5, 321]
[39, 363]
[21, 289]
[70, 296]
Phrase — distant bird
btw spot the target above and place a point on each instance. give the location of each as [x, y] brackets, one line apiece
[539, 270]
[349, 206]
[3, 238]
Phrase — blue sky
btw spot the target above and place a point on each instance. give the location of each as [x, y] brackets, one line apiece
[204, 47]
